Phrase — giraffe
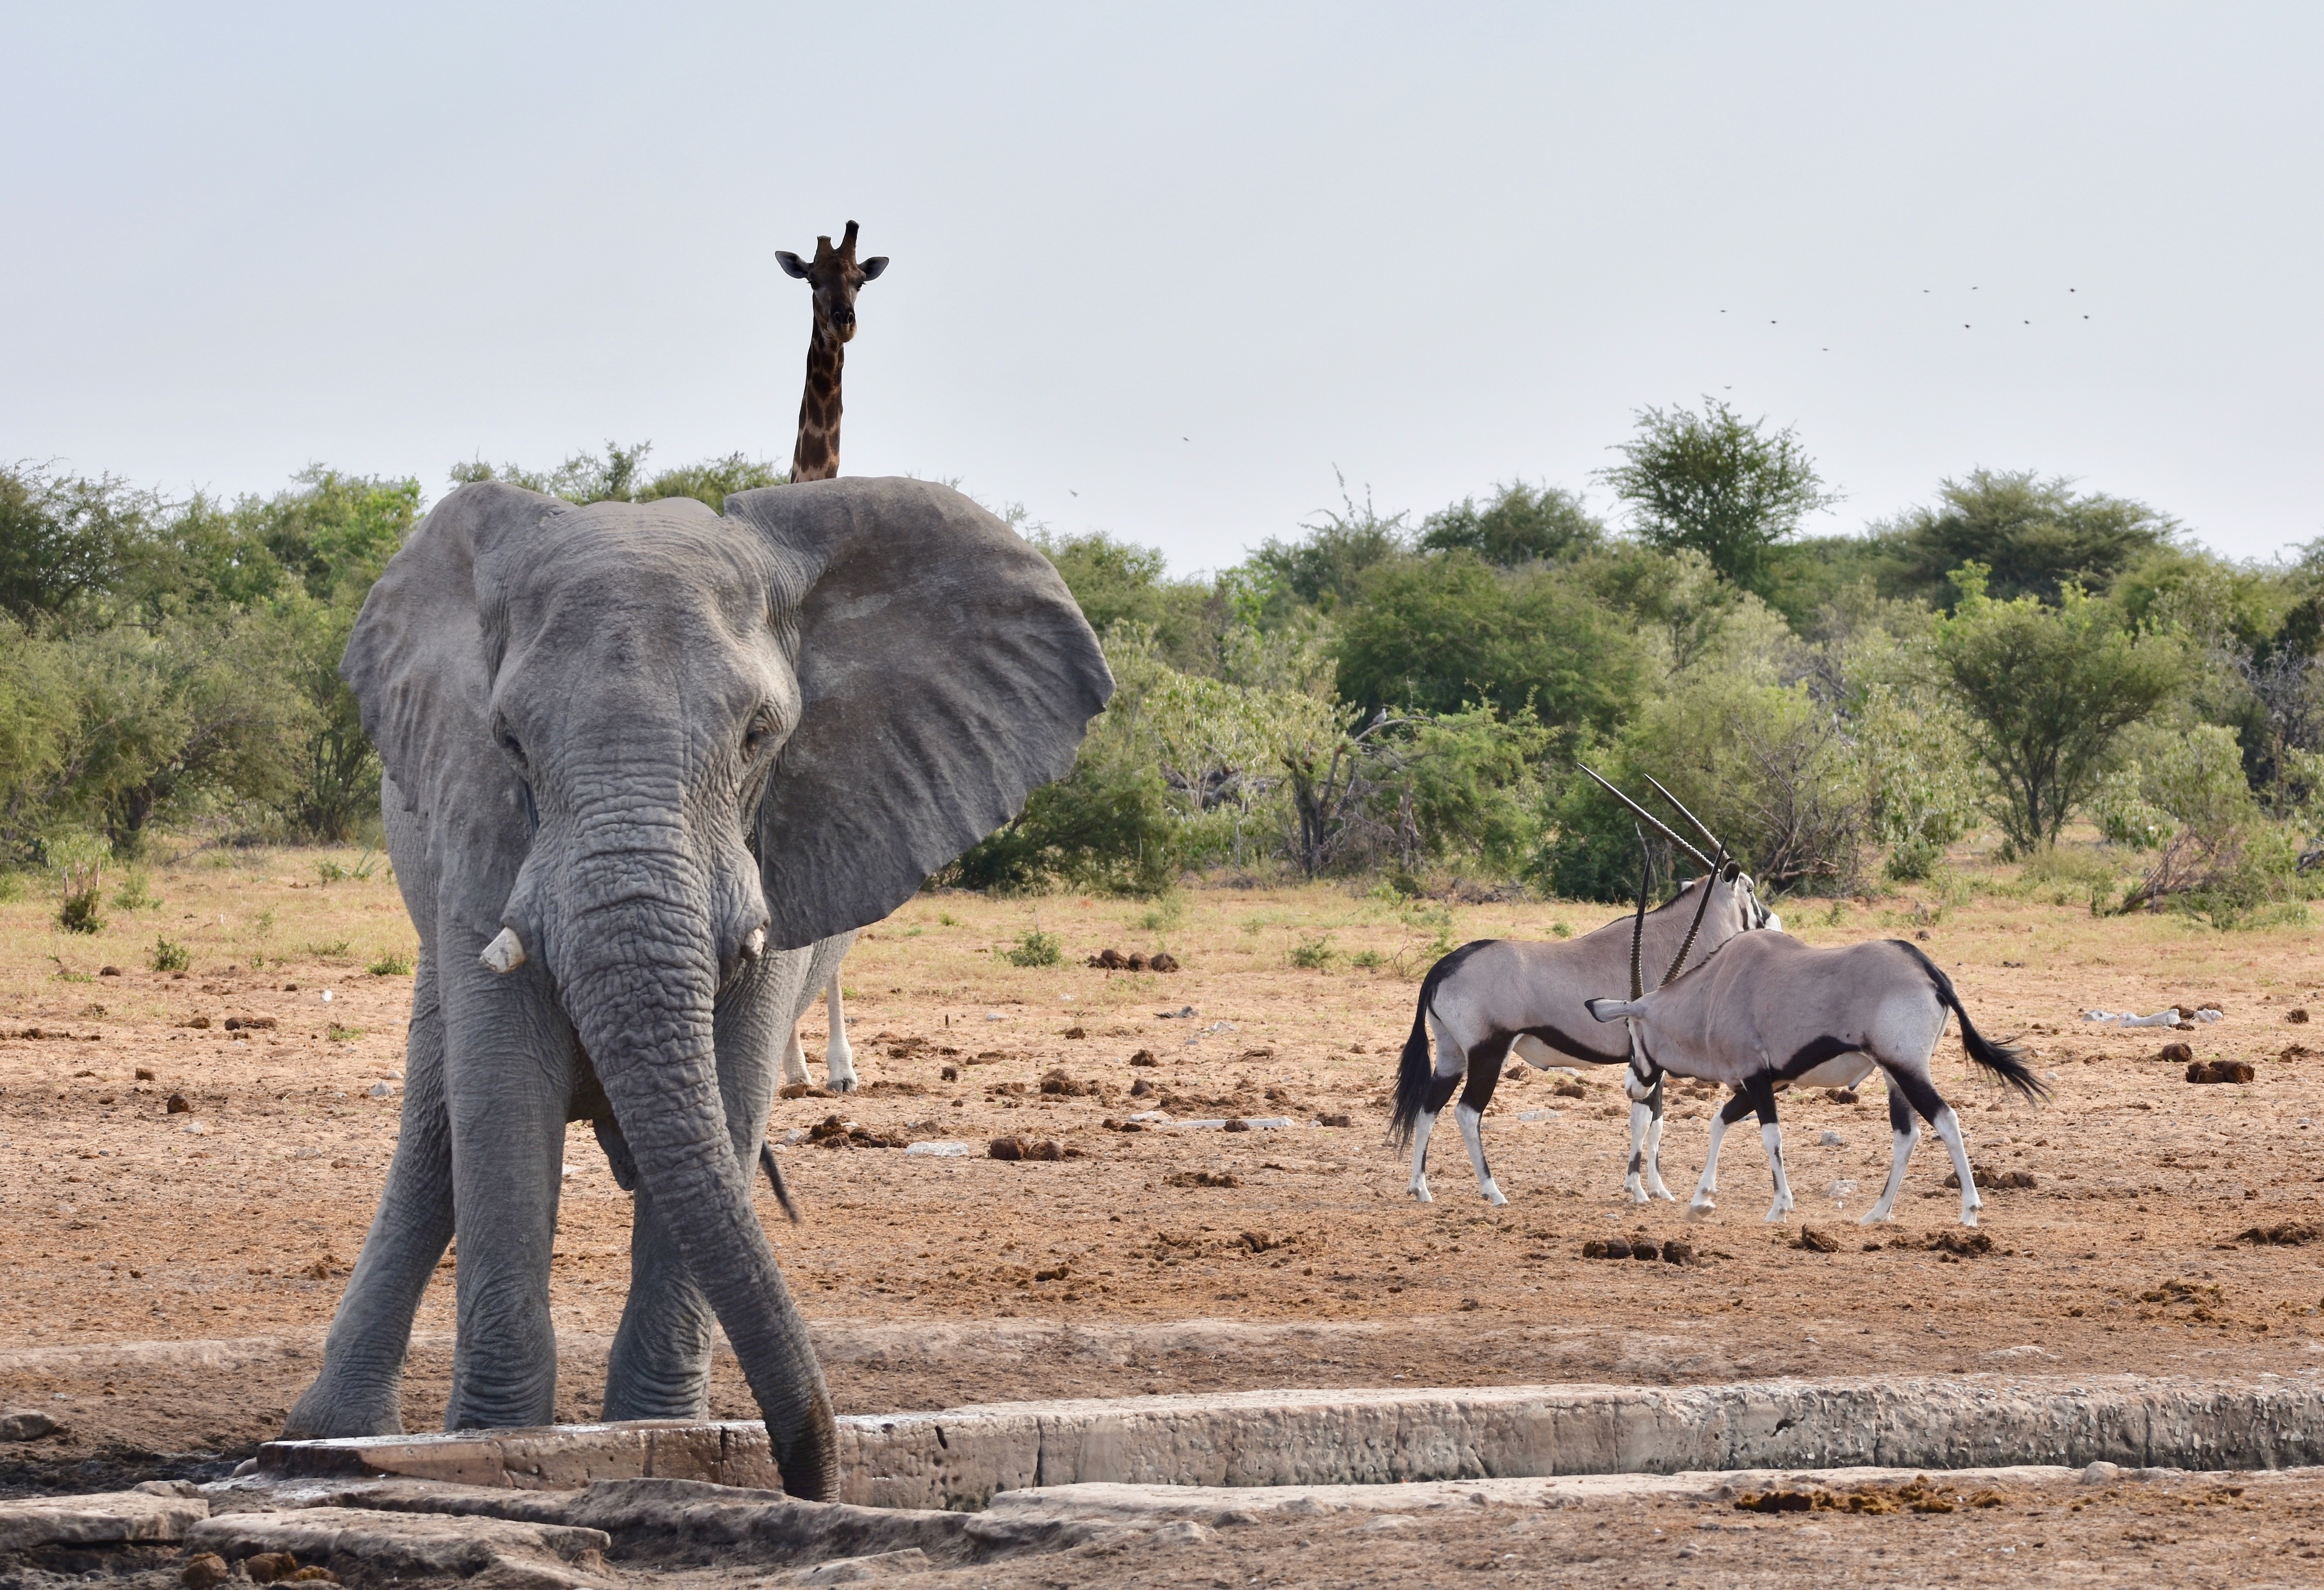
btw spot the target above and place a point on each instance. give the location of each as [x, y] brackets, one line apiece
[835, 277]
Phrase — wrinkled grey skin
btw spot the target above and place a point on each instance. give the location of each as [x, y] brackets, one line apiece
[632, 734]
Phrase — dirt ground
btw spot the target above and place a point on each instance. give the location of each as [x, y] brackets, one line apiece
[237, 1218]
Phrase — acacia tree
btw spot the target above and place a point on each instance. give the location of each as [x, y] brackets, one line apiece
[2048, 692]
[1721, 486]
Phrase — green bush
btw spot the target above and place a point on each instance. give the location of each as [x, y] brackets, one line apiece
[1035, 948]
[1312, 954]
[79, 913]
[1106, 827]
[391, 963]
[169, 955]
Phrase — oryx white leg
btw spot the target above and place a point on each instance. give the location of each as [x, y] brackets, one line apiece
[1653, 1162]
[1419, 1187]
[1904, 1127]
[1473, 1133]
[1771, 1138]
[1703, 1202]
[1634, 1180]
[1948, 1125]
[838, 1055]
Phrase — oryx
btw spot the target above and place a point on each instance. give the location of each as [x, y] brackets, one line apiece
[1766, 1010]
[1495, 995]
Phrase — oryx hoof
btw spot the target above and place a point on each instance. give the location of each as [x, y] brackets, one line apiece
[1420, 1194]
[1665, 1194]
[1968, 1217]
[1699, 1208]
[841, 1085]
[1778, 1215]
[1494, 1197]
[1874, 1217]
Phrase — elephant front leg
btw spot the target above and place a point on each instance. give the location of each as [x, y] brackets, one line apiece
[360, 1391]
[660, 1367]
[509, 1081]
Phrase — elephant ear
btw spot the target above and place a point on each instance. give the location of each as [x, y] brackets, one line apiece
[945, 672]
[419, 660]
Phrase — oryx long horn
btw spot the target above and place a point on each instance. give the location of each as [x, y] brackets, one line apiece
[1658, 824]
[1701, 908]
[1710, 837]
[1639, 922]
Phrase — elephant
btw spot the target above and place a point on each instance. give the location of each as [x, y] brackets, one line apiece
[647, 769]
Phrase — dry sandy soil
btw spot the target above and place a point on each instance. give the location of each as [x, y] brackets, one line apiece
[237, 1219]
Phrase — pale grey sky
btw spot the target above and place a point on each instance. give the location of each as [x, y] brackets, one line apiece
[1160, 270]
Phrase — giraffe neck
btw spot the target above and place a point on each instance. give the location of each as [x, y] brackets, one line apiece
[817, 456]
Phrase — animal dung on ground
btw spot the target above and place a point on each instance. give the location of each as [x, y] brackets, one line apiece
[1637, 1247]
[1076, 1031]
[2221, 1071]
[950, 1073]
[1142, 1088]
[1960, 1244]
[144, 1075]
[2286, 1234]
[1989, 1177]
[108, 972]
[1260, 1052]
[1116, 961]
[1021, 1148]
[1144, 1057]
[1058, 1085]
[205, 1571]
[1201, 1178]
[2175, 1053]
[1260, 1242]
[236, 1024]
[1817, 1242]
[1334, 1120]
[2297, 1015]
[830, 1131]
[2291, 1052]
[177, 1105]
[1840, 1094]
[801, 1091]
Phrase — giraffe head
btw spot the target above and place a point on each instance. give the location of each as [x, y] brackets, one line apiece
[835, 275]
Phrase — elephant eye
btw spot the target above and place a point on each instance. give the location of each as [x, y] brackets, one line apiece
[755, 737]
[509, 744]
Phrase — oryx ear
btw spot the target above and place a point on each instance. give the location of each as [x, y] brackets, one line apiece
[1608, 1009]
[1733, 871]
[944, 672]
[421, 656]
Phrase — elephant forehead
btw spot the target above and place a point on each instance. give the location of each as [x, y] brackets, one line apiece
[659, 563]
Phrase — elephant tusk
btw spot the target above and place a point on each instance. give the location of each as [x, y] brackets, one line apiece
[505, 954]
[755, 944]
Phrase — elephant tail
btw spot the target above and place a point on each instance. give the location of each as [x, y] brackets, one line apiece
[775, 1175]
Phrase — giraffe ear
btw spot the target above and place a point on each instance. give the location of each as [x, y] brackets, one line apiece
[873, 266]
[791, 263]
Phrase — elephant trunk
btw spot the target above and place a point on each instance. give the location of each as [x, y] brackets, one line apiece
[639, 971]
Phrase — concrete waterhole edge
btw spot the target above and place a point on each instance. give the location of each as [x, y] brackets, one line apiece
[960, 1458]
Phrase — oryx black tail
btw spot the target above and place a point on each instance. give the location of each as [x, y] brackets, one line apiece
[1413, 1073]
[2003, 1058]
